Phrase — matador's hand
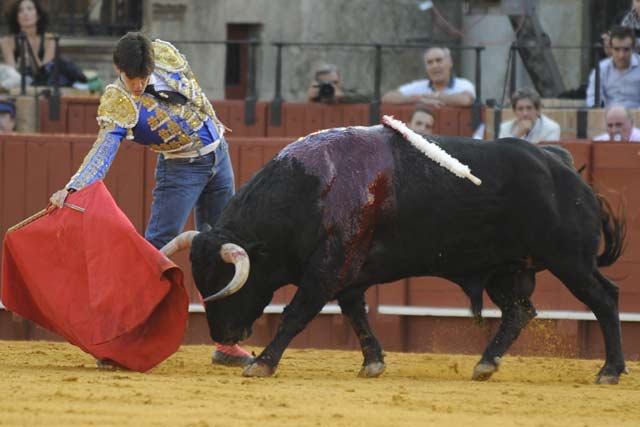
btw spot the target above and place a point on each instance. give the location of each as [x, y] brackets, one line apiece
[57, 199]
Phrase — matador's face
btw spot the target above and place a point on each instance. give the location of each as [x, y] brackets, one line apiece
[134, 85]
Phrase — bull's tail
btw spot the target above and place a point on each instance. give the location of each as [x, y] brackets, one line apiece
[614, 229]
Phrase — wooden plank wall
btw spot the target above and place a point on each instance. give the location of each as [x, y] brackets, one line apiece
[77, 115]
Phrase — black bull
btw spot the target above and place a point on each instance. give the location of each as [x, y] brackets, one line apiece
[341, 210]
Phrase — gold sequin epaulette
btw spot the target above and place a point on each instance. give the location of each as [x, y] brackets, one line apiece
[118, 107]
[168, 57]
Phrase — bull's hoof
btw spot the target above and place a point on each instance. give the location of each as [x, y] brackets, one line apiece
[483, 371]
[372, 370]
[607, 379]
[258, 369]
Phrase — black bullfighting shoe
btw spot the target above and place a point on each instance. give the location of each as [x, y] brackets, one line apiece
[231, 355]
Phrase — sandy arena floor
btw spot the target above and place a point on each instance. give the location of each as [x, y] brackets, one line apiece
[45, 383]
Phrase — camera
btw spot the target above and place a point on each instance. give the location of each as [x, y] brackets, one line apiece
[326, 90]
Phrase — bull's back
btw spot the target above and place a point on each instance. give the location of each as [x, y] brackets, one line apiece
[445, 223]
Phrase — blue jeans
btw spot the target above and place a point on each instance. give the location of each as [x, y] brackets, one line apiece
[205, 182]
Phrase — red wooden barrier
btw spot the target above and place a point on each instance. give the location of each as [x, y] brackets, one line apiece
[616, 173]
[78, 115]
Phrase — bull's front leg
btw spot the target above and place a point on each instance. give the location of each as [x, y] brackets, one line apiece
[354, 309]
[302, 309]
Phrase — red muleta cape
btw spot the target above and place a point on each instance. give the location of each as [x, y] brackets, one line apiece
[91, 278]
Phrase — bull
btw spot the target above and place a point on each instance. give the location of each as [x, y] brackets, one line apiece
[344, 209]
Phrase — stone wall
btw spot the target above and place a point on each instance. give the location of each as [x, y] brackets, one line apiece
[355, 21]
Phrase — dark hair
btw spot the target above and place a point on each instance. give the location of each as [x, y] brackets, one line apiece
[620, 32]
[133, 55]
[525, 93]
[422, 108]
[11, 15]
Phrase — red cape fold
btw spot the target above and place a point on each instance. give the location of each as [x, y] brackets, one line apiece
[91, 278]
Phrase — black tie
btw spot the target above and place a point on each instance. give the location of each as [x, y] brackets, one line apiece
[166, 95]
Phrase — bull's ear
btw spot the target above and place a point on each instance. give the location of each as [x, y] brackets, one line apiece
[256, 250]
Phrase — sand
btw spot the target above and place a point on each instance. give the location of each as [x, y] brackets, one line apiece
[48, 383]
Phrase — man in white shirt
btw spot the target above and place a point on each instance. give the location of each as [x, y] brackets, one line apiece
[529, 124]
[619, 124]
[441, 88]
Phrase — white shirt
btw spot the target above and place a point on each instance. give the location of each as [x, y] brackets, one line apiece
[159, 83]
[544, 129]
[422, 87]
[634, 137]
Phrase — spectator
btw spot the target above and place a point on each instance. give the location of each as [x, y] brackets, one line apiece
[619, 124]
[440, 89]
[619, 74]
[325, 86]
[7, 116]
[30, 18]
[422, 120]
[529, 124]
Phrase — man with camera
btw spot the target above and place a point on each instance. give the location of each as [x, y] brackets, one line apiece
[326, 86]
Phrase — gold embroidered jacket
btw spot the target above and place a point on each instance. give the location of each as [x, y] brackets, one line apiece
[162, 126]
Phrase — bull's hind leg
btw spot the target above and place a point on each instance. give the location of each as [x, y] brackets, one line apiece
[353, 308]
[601, 296]
[510, 292]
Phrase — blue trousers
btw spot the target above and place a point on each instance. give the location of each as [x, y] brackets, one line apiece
[205, 183]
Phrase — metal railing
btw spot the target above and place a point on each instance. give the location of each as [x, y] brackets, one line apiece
[374, 105]
[376, 49]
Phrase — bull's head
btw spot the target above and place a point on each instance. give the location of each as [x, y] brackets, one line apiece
[221, 270]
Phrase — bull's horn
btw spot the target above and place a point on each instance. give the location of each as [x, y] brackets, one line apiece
[232, 253]
[180, 242]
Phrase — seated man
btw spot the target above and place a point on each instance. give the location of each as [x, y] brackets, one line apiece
[422, 120]
[619, 124]
[440, 89]
[325, 86]
[7, 116]
[619, 74]
[529, 124]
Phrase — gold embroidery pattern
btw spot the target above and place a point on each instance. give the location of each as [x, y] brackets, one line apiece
[165, 135]
[117, 106]
[182, 140]
[155, 122]
[174, 128]
[149, 102]
[167, 57]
